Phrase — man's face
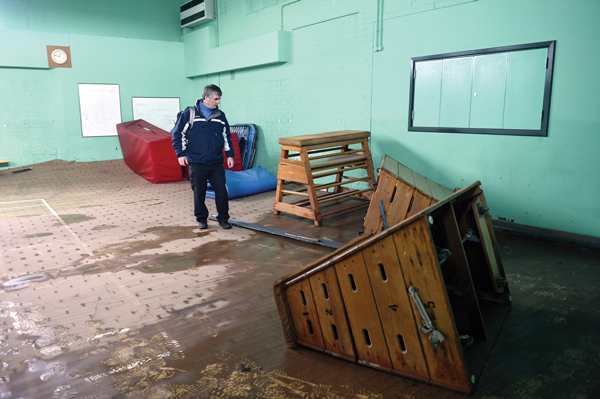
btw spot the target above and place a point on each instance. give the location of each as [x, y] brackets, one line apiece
[212, 102]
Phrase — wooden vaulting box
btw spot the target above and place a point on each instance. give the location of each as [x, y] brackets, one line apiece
[424, 299]
[310, 158]
[401, 193]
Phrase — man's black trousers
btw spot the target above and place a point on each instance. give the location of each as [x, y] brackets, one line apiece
[215, 175]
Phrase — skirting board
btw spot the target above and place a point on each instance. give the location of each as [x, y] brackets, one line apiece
[546, 233]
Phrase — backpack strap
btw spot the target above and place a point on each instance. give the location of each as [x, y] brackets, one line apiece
[186, 130]
[191, 121]
[192, 116]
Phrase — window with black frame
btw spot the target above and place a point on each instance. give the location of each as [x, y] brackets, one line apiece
[502, 90]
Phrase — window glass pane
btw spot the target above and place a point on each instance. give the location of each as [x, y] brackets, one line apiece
[525, 89]
[456, 92]
[501, 90]
[489, 88]
[428, 85]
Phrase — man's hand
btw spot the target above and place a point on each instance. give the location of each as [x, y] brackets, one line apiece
[183, 161]
[230, 162]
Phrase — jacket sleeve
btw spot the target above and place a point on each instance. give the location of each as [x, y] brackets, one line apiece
[229, 150]
[177, 133]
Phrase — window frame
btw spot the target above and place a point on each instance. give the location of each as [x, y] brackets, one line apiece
[542, 132]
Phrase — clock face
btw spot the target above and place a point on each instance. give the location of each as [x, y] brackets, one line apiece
[59, 56]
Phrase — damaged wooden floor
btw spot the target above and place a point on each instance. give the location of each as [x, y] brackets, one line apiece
[111, 291]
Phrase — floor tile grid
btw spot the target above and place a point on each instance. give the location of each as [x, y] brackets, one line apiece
[138, 293]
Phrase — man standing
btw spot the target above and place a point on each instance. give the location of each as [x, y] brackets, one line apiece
[199, 137]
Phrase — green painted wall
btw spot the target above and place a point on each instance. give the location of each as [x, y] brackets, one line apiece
[337, 80]
[135, 44]
[138, 19]
[551, 182]
[348, 68]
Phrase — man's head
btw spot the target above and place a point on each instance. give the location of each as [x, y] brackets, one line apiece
[212, 96]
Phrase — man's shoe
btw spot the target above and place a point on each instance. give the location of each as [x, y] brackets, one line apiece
[202, 225]
[225, 225]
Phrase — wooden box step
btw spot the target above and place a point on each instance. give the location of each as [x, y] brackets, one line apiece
[424, 299]
[305, 159]
[401, 193]
[309, 140]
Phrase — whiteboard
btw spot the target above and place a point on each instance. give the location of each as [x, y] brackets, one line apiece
[100, 108]
[161, 112]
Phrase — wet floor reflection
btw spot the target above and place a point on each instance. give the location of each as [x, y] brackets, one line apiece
[39, 235]
[50, 350]
[75, 218]
[22, 282]
[124, 362]
[257, 248]
[38, 363]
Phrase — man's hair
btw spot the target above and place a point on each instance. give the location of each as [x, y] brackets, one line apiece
[210, 91]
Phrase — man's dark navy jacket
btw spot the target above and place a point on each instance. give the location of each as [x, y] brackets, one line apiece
[203, 141]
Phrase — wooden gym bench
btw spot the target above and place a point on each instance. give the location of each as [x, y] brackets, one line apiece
[307, 158]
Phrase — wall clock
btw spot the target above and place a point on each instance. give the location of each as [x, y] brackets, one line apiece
[59, 56]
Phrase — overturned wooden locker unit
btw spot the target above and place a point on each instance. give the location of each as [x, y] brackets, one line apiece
[311, 157]
[401, 193]
[424, 299]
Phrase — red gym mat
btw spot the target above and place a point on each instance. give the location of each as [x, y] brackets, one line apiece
[148, 151]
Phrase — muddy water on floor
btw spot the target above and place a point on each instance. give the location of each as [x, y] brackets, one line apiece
[38, 235]
[149, 363]
[260, 247]
[161, 360]
[75, 218]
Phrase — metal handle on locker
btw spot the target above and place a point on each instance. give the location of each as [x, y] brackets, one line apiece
[436, 337]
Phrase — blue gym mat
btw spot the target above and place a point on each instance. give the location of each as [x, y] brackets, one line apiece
[247, 182]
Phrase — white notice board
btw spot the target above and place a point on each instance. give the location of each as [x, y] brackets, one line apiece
[100, 108]
[161, 112]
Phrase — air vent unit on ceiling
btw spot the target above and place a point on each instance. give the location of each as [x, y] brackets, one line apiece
[196, 12]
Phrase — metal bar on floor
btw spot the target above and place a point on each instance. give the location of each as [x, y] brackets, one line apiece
[283, 233]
